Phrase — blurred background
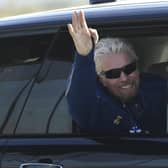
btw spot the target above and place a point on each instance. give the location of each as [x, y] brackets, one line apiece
[15, 7]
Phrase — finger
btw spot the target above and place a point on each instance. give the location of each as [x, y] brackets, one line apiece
[70, 29]
[79, 20]
[83, 20]
[94, 34]
[75, 21]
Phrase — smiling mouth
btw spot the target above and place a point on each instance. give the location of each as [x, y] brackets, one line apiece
[127, 86]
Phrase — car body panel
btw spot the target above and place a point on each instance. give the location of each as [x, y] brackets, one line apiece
[49, 22]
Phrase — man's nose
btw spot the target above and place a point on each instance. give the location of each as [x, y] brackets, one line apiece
[123, 76]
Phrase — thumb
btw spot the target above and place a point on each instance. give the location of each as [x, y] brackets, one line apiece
[70, 29]
[94, 34]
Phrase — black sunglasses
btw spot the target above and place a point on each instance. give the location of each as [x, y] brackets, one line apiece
[115, 73]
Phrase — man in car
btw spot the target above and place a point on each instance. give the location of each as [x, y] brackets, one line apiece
[107, 94]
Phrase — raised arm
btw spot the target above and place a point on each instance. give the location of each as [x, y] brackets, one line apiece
[81, 91]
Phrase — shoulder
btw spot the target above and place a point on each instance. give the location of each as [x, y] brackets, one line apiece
[152, 81]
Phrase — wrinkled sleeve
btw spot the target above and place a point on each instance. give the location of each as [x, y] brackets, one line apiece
[81, 90]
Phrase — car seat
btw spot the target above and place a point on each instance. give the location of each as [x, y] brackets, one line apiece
[161, 69]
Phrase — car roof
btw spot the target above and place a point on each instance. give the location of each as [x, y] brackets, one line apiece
[50, 21]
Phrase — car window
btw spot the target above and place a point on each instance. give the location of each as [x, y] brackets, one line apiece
[33, 80]
[47, 59]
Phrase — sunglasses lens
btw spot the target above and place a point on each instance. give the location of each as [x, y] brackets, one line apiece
[115, 73]
[112, 74]
[130, 68]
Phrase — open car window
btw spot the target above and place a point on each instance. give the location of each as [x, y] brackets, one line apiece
[34, 76]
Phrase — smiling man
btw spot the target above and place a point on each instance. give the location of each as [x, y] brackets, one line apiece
[116, 67]
[107, 94]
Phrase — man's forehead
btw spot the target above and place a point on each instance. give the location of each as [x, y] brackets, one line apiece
[115, 60]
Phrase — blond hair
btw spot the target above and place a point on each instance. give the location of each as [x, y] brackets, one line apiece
[109, 46]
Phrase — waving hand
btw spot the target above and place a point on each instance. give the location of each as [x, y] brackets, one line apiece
[81, 34]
